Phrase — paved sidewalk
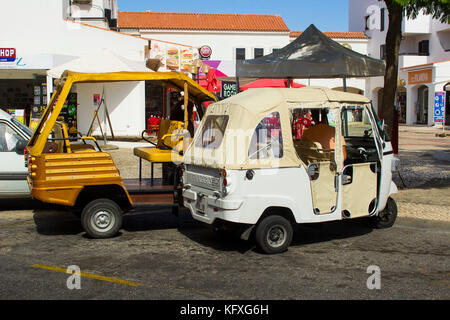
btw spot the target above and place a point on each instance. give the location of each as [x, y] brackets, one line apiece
[423, 181]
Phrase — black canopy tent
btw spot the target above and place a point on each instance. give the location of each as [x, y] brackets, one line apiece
[311, 55]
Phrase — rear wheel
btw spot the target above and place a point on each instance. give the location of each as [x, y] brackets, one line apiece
[387, 217]
[101, 218]
[273, 234]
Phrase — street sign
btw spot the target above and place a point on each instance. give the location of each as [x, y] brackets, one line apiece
[439, 107]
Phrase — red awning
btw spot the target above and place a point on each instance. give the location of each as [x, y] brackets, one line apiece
[270, 83]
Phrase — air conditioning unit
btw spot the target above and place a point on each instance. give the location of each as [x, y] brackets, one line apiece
[82, 1]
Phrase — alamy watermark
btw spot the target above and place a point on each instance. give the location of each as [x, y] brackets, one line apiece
[374, 280]
[74, 281]
[374, 17]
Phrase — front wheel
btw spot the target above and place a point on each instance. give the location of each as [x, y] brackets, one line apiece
[101, 218]
[387, 217]
[273, 234]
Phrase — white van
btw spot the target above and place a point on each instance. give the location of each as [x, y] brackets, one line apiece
[14, 137]
[249, 166]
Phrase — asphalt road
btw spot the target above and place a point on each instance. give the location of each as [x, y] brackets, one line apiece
[159, 256]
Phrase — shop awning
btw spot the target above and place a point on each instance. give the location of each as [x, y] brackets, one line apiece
[103, 61]
[311, 55]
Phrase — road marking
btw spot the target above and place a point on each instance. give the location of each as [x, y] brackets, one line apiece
[89, 275]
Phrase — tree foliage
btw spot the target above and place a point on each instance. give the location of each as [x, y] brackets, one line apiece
[398, 9]
[438, 9]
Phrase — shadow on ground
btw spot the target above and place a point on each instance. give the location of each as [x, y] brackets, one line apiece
[9, 204]
[56, 222]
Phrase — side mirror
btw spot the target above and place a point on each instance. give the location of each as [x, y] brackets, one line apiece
[20, 147]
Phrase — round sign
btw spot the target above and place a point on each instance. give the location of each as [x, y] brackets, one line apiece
[205, 52]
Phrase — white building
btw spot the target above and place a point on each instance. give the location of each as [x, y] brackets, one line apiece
[232, 37]
[424, 61]
[45, 36]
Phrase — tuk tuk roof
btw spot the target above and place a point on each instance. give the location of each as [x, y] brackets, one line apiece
[263, 99]
[244, 112]
[176, 79]
[68, 78]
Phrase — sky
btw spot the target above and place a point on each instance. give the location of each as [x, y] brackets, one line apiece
[326, 15]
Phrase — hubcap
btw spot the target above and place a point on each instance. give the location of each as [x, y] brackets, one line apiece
[276, 236]
[103, 221]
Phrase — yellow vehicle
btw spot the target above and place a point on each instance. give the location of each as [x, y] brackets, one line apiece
[86, 179]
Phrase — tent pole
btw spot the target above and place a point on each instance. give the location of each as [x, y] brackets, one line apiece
[289, 82]
[237, 84]
[344, 79]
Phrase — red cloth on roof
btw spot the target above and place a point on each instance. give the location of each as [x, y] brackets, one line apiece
[271, 83]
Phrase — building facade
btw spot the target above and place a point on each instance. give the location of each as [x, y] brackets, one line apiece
[232, 37]
[424, 59]
[43, 37]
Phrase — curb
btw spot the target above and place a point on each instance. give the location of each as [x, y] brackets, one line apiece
[442, 155]
[423, 223]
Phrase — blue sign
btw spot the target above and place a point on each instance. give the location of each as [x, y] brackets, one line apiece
[439, 107]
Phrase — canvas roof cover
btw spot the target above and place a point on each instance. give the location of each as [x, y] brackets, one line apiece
[311, 55]
[246, 109]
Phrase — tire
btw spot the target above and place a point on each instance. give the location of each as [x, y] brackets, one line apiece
[101, 218]
[273, 234]
[386, 218]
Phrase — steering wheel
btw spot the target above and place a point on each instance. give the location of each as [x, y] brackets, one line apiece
[363, 153]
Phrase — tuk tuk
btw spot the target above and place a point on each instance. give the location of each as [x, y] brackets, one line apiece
[85, 179]
[246, 169]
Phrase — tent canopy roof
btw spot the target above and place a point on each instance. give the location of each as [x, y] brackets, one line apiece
[311, 55]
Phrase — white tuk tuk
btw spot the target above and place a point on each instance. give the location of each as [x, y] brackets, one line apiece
[250, 164]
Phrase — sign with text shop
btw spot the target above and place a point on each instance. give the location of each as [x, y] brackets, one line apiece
[7, 54]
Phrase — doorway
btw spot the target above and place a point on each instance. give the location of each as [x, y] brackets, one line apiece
[422, 105]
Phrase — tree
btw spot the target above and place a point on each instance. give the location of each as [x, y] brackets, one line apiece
[397, 9]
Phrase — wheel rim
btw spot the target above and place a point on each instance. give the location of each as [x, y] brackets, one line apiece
[276, 236]
[103, 221]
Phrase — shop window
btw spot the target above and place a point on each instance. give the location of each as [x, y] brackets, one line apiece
[258, 52]
[267, 140]
[240, 53]
[383, 51]
[424, 48]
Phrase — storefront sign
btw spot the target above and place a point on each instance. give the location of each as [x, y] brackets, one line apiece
[173, 57]
[420, 76]
[205, 52]
[439, 107]
[7, 55]
[228, 89]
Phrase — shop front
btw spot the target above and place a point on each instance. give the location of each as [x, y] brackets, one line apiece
[24, 85]
[424, 84]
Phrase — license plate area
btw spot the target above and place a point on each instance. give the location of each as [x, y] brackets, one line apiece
[201, 204]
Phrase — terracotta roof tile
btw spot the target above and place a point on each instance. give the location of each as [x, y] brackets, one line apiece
[200, 21]
[335, 35]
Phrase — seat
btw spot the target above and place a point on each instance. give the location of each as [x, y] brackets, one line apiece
[156, 155]
[168, 148]
[309, 152]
